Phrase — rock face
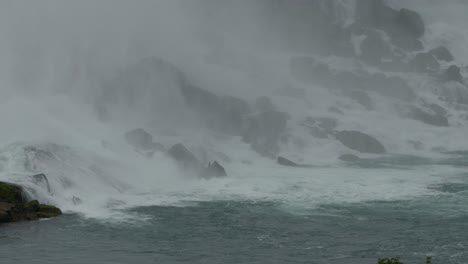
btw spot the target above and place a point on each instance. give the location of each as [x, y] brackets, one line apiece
[15, 207]
[361, 142]
[453, 74]
[142, 141]
[183, 156]
[285, 162]
[264, 130]
[215, 170]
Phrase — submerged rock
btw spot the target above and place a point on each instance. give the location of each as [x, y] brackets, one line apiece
[15, 207]
[285, 162]
[361, 142]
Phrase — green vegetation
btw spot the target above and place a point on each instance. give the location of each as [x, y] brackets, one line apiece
[9, 193]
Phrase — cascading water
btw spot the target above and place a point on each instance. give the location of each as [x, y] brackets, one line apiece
[352, 92]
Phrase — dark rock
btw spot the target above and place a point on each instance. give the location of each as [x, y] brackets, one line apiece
[14, 206]
[361, 142]
[432, 115]
[442, 53]
[453, 74]
[41, 179]
[183, 156]
[215, 170]
[349, 157]
[285, 162]
[264, 130]
[411, 22]
[424, 62]
[139, 139]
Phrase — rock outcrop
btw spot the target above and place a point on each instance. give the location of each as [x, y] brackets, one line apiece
[14, 206]
[359, 141]
[142, 142]
[214, 170]
[286, 162]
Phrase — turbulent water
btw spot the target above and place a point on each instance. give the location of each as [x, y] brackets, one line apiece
[75, 76]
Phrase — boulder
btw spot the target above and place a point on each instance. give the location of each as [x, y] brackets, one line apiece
[349, 158]
[424, 62]
[139, 139]
[432, 115]
[184, 157]
[214, 170]
[15, 207]
[410, 22]
[264, 130]
[453, 74]
[285, 162]
[442, 53]
[359, 141]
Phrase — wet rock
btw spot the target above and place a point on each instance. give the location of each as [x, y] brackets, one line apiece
[359, 141]
[432, 115]
[286, 162]
[442, 53]
[215, 170]
[411, 22]
[374, 48]
[453, 74]
[184, 157]
[453, 92]
[142, 142]
[264, 130]
[424, 62]
[349, 158]
[15, 207]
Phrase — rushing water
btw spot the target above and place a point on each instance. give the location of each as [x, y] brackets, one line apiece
[261, 230]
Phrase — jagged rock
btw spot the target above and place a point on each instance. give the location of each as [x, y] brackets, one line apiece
[15, 207]
[359, 141]
[264, 130]
[442, 53]
[285, 162]
[41, 179]
[183, 156]
[215, 170]
[424, 62]
[453, 74]
[349, 157]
